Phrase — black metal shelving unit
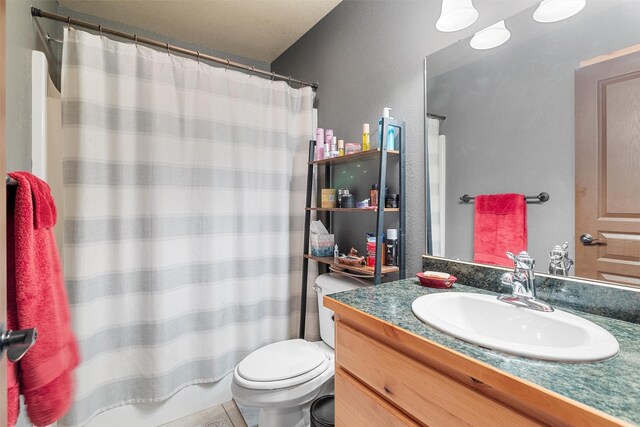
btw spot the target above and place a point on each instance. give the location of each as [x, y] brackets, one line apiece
[379, 270]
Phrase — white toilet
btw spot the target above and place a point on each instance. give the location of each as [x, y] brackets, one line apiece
[283, 378]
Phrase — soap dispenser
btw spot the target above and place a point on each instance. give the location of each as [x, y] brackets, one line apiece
[386, 113]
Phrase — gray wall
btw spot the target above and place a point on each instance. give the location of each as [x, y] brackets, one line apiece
[23, 35]
[367, 55]
[510, 122]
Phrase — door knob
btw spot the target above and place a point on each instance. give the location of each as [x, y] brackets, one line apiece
[587, 239]
[17, 343]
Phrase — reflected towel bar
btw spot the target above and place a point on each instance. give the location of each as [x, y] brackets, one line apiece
[542, 197]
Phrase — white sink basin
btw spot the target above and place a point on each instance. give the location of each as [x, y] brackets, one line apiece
[485, 321]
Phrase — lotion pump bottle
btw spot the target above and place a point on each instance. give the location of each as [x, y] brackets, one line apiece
[386, 113]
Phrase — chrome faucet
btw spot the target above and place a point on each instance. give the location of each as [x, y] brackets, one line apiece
[559, 261]
[522, 283]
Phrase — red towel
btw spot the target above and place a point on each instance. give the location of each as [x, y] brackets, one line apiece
[499, 226]
[36, 298]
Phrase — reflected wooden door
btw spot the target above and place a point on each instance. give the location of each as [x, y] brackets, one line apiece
[608, 168]
[3, 211]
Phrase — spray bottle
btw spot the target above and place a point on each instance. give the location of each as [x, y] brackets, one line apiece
[386, 111]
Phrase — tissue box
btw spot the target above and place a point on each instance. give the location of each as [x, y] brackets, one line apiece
[328, 198]
[322, 244]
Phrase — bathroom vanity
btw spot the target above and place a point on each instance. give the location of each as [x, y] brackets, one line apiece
[392, 369]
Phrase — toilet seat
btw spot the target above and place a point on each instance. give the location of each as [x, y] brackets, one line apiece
[280, 365]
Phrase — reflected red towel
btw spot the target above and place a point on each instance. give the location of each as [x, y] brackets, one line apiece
[36, 298]
[499, 226]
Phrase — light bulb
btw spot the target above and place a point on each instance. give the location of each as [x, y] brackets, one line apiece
[456, 15]
[490, 37]
[557, 10]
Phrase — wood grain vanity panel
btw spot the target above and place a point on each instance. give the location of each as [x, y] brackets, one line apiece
[359, 406]
[430, 396]
[528, 399]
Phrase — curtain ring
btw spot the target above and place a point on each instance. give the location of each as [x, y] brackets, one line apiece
[100, 30]
[252, 70]
[68, 22]
[226, 67]
[273, 76]
[168, 53]
[198, 56]
[289, 80]
[135, 39]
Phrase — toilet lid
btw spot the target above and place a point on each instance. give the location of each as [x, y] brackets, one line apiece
[281, 360]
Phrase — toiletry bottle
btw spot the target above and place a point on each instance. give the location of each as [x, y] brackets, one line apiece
[373, 199]
[341, 147]
[319, 143]
[366, 146]
[334, 147]
[392, 246]
[386, 111]
[336, 254]
[320, 149]
[328, 136]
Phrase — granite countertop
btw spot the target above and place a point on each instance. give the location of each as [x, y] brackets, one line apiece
[612, 386]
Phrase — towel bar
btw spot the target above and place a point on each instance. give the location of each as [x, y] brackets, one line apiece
[542, 197]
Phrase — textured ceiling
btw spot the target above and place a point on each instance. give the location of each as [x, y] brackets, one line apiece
[255, 29]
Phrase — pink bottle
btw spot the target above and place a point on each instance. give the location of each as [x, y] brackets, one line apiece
[319, 155]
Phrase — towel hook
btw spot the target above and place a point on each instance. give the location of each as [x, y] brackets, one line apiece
[17, 343]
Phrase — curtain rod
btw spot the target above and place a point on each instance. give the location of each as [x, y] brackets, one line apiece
[138, 39]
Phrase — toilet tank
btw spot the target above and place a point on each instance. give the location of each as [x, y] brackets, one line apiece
[329, 284]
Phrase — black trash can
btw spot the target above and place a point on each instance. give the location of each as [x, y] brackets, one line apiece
[322, 412]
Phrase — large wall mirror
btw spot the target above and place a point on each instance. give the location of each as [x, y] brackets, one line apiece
[510, 127]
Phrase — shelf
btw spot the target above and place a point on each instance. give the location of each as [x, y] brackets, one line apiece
[362, 155]
[352, 209]
[386, 269]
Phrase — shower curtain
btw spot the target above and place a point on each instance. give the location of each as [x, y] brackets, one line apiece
[437, 179]
[184, 207]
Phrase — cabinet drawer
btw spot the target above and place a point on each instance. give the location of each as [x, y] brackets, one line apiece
[356, 406]
[428, 395]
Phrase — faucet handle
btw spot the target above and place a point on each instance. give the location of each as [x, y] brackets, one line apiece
[522, 261]
[560, 251]
[509, 279]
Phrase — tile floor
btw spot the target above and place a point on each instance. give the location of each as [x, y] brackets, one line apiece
[225, 415]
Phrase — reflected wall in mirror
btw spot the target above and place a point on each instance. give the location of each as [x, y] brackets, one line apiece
[510, 128]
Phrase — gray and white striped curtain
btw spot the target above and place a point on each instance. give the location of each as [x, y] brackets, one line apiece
[184, 207]
[437, 179]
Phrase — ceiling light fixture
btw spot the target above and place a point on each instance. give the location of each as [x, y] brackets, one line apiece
[490, 37]
[456, 15]
[557, 10]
